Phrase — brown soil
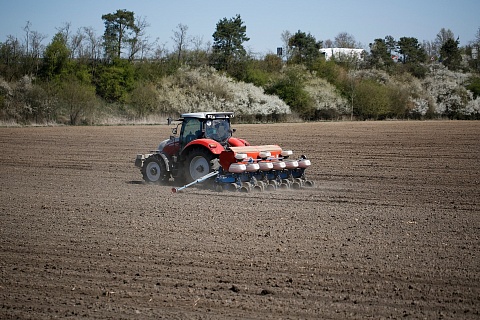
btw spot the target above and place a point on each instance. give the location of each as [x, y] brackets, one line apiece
[391, 230]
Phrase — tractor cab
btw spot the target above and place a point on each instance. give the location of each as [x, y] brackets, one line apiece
[198, 128]
[205, 125]
[210, 131]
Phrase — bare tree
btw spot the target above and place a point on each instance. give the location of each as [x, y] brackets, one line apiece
[345, 40]
[197, 42]
[159, 50]
[65, 31]
[328, 43]
[430, 47]
[76, 44]
[36, 40]
[145, 48]
[443, 36]
[94, 43]
[138, 43]
[34, 49]
[33, 41]
[11, 54]
[74, 41]
[199, 54]
[27, 35]
[180, 40]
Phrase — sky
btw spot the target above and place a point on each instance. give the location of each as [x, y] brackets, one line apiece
[265, 20]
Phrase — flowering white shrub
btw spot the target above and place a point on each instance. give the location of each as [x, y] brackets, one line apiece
[373, 74]
[447, 92]
[204, 89]
[5, 89]
[15, 98]
[442, 92]
[6, 94]
[473, 107]
[326, 96]
[249, 99]
[420, 106]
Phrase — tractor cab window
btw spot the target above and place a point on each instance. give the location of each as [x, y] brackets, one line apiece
[218, 129]
[191, 130]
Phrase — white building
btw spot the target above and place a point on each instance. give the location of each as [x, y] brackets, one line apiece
[340, 53]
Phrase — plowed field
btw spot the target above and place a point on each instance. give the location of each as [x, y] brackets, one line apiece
[391, 229]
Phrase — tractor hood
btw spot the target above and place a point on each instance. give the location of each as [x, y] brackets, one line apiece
[162, 144]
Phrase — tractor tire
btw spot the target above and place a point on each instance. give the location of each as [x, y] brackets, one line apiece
[198, 163]
[154, 170]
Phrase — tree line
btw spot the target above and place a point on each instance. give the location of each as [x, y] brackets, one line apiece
[80, 76]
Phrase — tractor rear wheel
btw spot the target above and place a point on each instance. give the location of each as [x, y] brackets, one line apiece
[154, 170]
[197, 164]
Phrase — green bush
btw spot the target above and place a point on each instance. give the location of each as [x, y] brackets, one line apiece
[115, 81]
[328, 70]
[290, 88]
[258, 77]
[77, 102]
[372, 100]
[144, 99]
[474, 86]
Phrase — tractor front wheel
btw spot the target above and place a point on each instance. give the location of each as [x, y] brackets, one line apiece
[198, 163]
[154, 170]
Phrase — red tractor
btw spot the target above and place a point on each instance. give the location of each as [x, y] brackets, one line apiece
[205, 148]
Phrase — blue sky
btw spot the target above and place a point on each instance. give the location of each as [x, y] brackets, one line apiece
[265, 19]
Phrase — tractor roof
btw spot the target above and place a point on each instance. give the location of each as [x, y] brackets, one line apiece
[208, 115]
